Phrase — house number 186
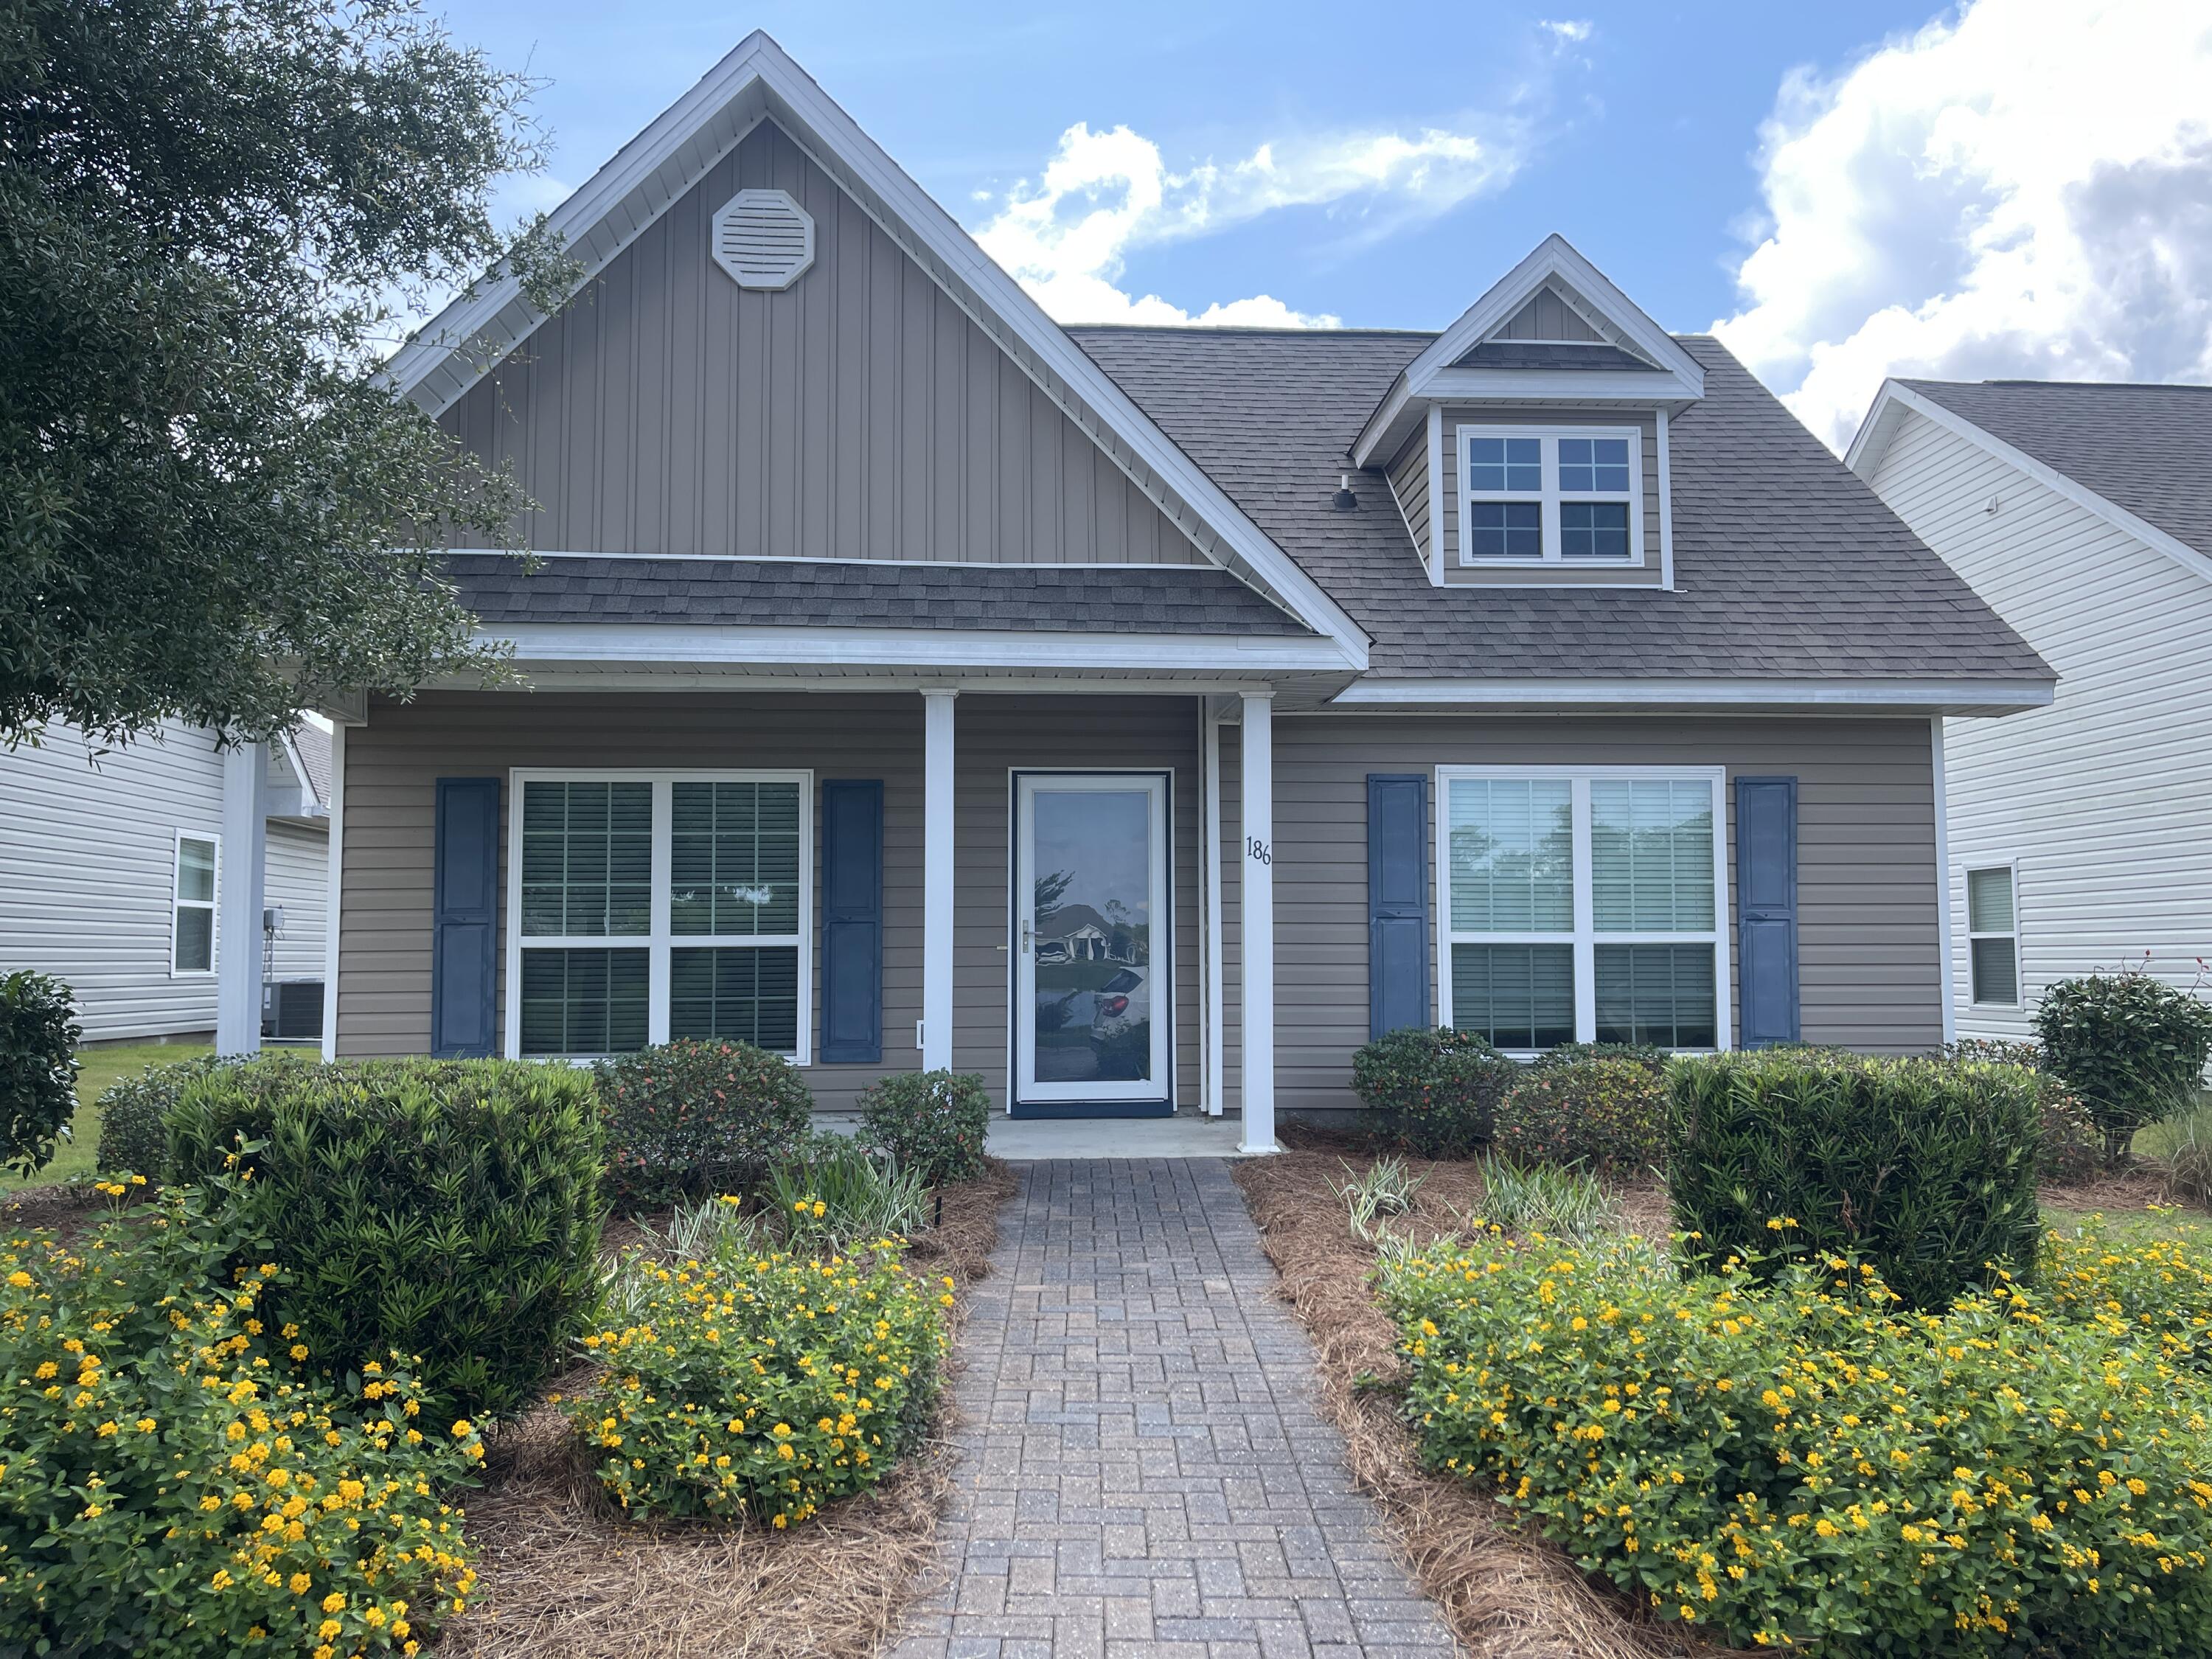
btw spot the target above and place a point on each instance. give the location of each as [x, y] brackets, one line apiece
[1257, 849]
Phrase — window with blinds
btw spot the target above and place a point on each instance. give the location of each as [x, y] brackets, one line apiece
[1993, 936]
[650, 906]
[1583, 907]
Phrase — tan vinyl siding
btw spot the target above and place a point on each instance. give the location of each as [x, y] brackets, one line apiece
[1409, 486]
[393, 763]
[1646, 422]
[1866, 852]
[1547, 316]
[858, 415]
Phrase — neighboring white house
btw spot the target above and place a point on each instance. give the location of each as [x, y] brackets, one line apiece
[2079, 835]
[111, 872]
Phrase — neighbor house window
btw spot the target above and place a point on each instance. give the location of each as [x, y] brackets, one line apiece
[1582, 906]
[650, 906]
[1993, 936]
[1552, 495]
[191, 911]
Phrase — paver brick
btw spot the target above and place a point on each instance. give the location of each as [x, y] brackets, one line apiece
[1141, 1471]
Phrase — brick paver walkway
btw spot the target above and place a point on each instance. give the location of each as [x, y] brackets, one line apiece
[1141, 1470]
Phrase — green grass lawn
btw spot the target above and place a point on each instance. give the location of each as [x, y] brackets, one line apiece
[97, 1068]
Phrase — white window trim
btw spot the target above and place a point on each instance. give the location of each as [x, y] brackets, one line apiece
[212, 904]
[660, 939]
[1966, 873]
[1585, 937]
[1550, 495]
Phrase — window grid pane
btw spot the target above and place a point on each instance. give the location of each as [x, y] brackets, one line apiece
[734, 859]
[745, 994]
[1500, 463]
[1516, 996]
[582, 1002]
[1593, 466]
[1652, 855]
[1593, 530]
[1997, 969]
[1989, 901]
[196, 869]
[1505, 530]
[195, 937]
[1512, 855]
[587, 857]
[1661, 995]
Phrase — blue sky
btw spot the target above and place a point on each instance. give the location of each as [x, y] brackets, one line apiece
[2014, 186]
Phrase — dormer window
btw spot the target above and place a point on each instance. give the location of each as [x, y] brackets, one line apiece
[1570, 495]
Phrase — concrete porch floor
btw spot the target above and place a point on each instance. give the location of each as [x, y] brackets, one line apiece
[1033, 1140]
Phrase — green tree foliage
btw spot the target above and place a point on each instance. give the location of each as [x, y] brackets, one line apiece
[212, 215]
[38, 1068]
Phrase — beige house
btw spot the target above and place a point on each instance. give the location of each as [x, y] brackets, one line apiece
[1541, 676]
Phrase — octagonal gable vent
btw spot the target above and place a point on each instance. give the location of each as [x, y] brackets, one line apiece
[763, 238]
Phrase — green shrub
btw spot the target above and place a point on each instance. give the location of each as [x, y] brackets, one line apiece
[134, 1111]
[842, 1194]
[1606, 1111]
[2188, 1155]
[2132, 1047]
[1925, 1168]
[1433, 1092]
[931, 1123]
[447, 1211]
[175, 1486]
[39, 1037]
[2073, 1148]
[692, 1120]
[1573, 1054]
[761, 1385]
[1801, 1462]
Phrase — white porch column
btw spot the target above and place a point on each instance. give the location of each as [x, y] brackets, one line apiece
[937, 880]
[240, 893]
[1257, 751]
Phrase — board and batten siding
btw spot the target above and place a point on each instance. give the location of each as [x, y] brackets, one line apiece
[2104, 799]
[858, 413]
[1866, 850]
[392, 764]
[297, 879]
[88, 871]
[1649, 573]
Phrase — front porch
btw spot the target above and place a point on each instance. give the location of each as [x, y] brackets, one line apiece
[1044, 888]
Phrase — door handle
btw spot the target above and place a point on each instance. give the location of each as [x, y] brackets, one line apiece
[1026, 936]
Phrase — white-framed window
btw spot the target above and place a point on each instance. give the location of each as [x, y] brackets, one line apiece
[192, 905]
[1551, 495]
[1993, 935]
[647, 906]
[1583, 904]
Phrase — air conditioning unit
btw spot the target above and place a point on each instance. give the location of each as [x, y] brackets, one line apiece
[292, 1010]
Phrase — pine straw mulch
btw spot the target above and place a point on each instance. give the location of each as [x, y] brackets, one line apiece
[561, 1573]
[1507, 1593]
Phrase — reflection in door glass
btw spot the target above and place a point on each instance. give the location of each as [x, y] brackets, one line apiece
[1093, 944]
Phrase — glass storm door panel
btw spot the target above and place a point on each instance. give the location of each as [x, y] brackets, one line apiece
[1093, 1010]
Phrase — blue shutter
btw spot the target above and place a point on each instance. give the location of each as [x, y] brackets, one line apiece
[852, 920]
[465, 926]
[1397, 902]
[1766, 906]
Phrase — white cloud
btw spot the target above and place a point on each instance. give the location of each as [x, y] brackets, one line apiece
[1067, 236]
[1567, 31]
[2024, 191]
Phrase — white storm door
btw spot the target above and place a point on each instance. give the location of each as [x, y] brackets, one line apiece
[1094, 1003]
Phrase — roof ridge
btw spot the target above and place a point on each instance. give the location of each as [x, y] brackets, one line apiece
[1284, 330]
[2071, 385]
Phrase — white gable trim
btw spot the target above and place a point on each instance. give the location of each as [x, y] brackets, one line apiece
[1894, 402]
[1678, 378]
[758, 80]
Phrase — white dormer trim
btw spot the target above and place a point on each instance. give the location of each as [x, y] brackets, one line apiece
[758, 80]
[1894, 402]
[1678, 378]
